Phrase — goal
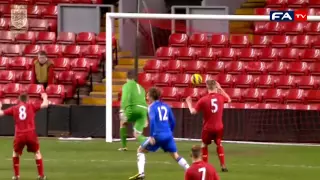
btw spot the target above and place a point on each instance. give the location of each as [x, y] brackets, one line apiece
[109, 66]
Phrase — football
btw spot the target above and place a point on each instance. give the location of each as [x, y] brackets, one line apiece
[196, 79]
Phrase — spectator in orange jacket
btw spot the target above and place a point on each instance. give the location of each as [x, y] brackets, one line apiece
[42, 70]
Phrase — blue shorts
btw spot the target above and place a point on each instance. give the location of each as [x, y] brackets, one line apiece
[166, 144]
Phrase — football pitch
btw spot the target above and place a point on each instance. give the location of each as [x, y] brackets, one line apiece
[91, 160]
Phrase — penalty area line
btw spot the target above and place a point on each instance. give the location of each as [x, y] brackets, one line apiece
[169, 163]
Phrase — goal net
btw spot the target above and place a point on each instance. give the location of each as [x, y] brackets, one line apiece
[270, 71]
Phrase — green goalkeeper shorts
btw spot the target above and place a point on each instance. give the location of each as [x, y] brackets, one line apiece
[138, 115]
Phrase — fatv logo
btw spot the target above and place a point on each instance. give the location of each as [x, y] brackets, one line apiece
[288, 16]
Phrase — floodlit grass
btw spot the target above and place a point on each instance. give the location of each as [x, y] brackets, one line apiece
[90, 160]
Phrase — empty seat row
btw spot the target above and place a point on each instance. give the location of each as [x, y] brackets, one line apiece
[10, 92]
[59, 64]
[266, 11]
[33, 11]
[239, 41]
[229, 81]
[50, 1]
[53, 50]
[232, 54]
[42, 37]
[246, 95]
[293, 3]
[312, 28]
[32, 25]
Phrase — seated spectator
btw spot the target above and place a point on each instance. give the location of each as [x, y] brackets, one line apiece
[43, 70]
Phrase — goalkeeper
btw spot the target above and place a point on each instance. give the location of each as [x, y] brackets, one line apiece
[133, 109]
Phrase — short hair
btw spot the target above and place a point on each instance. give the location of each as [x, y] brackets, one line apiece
[154, 93]
[24, 97]
[42, 53]
[211, 84]
[196, 151]
[131, 74]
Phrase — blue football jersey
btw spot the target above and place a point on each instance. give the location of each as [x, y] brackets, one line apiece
[162, 120]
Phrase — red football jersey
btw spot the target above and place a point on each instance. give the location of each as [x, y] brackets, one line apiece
[23, 115]
[211, 106]
[201, 171]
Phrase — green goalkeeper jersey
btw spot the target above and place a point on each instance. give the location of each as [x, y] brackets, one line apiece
[133, 94]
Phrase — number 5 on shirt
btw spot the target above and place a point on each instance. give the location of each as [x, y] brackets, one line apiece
[214, 105]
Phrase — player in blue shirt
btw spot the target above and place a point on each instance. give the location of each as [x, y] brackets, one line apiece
[162, 122]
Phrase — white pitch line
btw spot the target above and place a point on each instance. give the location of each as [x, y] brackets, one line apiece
[170, 163]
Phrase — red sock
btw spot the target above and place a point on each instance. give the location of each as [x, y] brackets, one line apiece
[39, 163]
[205, 155]
[16, 166]
[220, 153]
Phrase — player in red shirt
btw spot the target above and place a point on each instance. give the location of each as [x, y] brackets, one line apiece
[211, 106]
[200, 170]
[25, 132]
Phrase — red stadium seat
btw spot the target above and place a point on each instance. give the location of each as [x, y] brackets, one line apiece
[61, 64]
[170, 94]
[239, 41]
[315, 42]
[269, 54]
[6, 1]
[20, 63]
[146, 79]
[260, 27]
[35, 90]
[174, 66]
[313, 28]
[289, 54]
[154, 65]
[273, 96]
[252, 95]
[206, 77]
[13, 50]
[265, 81]
[280, 41]
[55, 91]
[4, 61]
[235, 94]
[183, 80]
[86, 38]
[314, 68]
[25, 38]
[285, 82]
[6, 37]
[24, 77]
[248, 54]
[276, 3]
[298, 68]
[314, 3]
[260, 41]
[32, 50]
[46, 37]
[198, 40]
[294, 28]
[166, 53]
[164, 79]
[38, 24]
[214, 67]
[297, 3]
[7, 77]
[178, 40]
[101, 38]
[312, 96]
[67, 78]
[193, 67]
[294, 96]
[310, 55]
[236, 67]
[255, 67]
[52, 25]
[34, 11]
[307, 82]
[23, 2]
[277, 68]
[49, 12]
[83, 64]
[61, 1]
[66, 38]
[82, 1]
[244, 81]
[262, 11]
[92, 51]
[302, 41]
[12, 90]
[274, 28]
[219, 40]
[4, 23]
[225, 80]
[228, 54]
[52, 51]
[186, 53]
[208, 54]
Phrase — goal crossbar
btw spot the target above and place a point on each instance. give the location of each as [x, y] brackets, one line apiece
[109, 30]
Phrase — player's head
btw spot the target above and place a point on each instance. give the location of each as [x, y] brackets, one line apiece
[131, 75]
[196, 153]
[211, 86]
[153, 94]
[42, 57]
[23, 97]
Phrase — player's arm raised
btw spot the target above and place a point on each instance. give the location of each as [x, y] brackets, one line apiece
[189, 103]
[8, 111]
[223, 92]
[45, 101]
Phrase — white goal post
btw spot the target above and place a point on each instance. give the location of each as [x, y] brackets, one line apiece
[109, 29]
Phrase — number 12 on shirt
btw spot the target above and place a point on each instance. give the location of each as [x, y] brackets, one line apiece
[163, 113]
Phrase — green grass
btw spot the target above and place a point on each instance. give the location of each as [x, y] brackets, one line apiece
[90, 160]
